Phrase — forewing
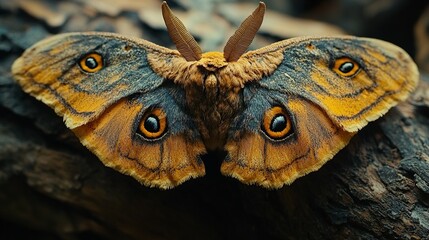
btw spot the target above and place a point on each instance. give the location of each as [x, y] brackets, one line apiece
[386, 75]
[50, 71]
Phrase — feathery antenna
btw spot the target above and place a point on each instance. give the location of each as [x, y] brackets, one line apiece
[185, 43]
[243, 37]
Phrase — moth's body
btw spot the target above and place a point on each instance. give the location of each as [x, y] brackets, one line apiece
[279, 112]
[214, 99]
[214, 86]
[213, 108]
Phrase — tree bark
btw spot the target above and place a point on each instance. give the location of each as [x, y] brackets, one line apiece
[51, 187]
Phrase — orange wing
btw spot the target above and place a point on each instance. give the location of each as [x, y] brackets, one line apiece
[313, 139]
[382, 75]
[106, 91]
[164, 162]
[53, 71]
[303, 113]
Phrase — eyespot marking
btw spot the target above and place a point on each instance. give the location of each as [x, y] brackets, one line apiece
[346, 67]
[277, 123]
[153, 125]
[91, 63]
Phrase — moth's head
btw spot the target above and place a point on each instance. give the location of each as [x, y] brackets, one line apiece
[212, 61]
[234, 48]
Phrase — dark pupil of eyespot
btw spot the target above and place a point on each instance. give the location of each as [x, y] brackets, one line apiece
[91, 63]
[278, 123]
[152, 124]
[346, 67]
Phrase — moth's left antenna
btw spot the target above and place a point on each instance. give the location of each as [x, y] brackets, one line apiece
[185, 43]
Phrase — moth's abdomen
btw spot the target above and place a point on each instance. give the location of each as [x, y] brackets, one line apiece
[213, 112]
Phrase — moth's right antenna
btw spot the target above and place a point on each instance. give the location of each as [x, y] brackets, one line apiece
[243, 37]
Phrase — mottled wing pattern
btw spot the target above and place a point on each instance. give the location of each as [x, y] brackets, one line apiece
[164, 162]
[386, 76]
[325, 108]
[107, 109]
[49, 71]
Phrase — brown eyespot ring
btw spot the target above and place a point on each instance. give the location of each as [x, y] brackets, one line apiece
[346, 67]
[277, 123]
[91, 63]
[153, 125]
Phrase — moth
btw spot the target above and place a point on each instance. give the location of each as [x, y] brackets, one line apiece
[279, 112]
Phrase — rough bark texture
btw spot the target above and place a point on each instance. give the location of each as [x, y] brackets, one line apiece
[51, 187]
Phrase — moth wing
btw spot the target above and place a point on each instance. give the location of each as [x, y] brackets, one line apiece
[167, 161]
[255, 158]
[107, 108]
[325, 108]
[50, 71]
[385, 75]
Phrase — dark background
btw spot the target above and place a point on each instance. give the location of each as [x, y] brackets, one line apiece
[53, 188]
